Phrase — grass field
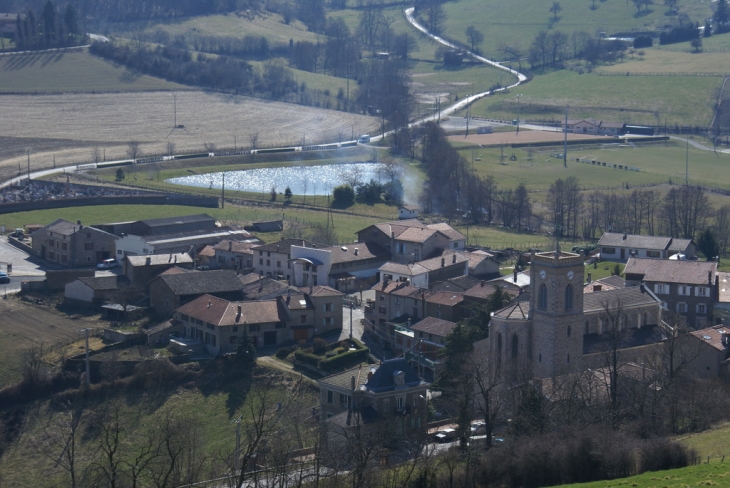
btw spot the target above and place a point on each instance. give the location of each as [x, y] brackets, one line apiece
[713, 474]
[711, 443]
[516, 22]
[653, 100]
[72, 72]
[663, 61]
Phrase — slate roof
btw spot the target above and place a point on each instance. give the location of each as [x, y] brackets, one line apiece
[66, 228]
[221, 312]
[284, 246]
[160, 259]
[416, 234]
[672, 271]
[382, 378]
[712, 336]
[628, 297]
[615, 239]
[216, 281]
[435, 326]
[102, 283]
[344, 379]
[518, 311]
[365, 250]
[234, 246]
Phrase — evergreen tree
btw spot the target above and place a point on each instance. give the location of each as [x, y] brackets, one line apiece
[71, 20]
[49, 23]
[708, 244]
[721, 16]
[246, 351]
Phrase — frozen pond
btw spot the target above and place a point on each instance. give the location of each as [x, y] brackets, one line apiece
[310, 180]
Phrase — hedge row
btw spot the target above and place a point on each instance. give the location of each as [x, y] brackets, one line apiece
[335, 363]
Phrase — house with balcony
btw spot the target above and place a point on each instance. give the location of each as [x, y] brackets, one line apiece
[274, 260]
[688, 288]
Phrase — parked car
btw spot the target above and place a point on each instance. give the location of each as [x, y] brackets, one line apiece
[445, 435]
[107, 263]
[4, 278]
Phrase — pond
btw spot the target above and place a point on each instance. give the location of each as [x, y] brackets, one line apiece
[310, 180]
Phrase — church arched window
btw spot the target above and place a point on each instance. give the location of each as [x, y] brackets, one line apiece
[569, 298]
[542, 297]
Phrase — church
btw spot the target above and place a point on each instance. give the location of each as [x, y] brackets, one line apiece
[565, 321]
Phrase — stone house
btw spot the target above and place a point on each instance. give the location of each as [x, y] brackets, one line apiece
[234, 254]
[140, 270]
[91, 291]
[273, 260]
[446, 305]
[410, 240]
[73, 245]
[689, 288]
[427, 272]
[170, 291]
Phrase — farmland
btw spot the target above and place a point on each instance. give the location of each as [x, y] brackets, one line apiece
[112, 120]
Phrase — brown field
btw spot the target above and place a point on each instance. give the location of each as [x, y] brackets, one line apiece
[523, 136]
[23, 325]
[67, 126]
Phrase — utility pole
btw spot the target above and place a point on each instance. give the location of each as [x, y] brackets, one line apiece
[565, 138]
[223, 191]
[238, 444]
[686, 164]
[174, 104]
[350, 320]
[28, 152]
[518, 112]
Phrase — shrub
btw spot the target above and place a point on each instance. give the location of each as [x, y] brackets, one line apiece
[344, 360]
[319, 346]
[343, 195]
[643, 41]
[283, 353]
[307, 357]
[331, 354]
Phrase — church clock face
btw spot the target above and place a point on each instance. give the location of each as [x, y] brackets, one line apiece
[570, 275]
[543, 274]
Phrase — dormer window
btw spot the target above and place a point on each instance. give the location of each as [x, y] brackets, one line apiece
[399, 379]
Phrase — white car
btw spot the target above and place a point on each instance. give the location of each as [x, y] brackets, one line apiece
[107, 263]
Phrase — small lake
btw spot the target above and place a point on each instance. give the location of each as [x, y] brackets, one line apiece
[312, 180]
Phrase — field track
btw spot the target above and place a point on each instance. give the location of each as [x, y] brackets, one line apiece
[71, 124]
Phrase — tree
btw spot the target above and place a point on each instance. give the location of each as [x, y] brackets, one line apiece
[246, 352]
[209, 147]
[696, 43]
[344, 195]
[96, 153]
[708, 244]
[253, 139]
[49, 23]
[435, 16]
[60, 437]
[133, 150]
[287, 194]
[272, 194]
[555, 9]
[475, 38]
[721, 16]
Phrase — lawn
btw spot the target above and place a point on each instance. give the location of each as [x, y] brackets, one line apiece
[658, 60]
[652, 100]
[72, 72]
[713, 474]
[711, 443]
[516, 22]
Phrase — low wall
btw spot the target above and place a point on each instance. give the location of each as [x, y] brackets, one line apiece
[118, 337]
[57, 279]
[20, 244]
[33, 285]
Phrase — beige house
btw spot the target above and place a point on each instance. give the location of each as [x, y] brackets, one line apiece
[410, 240]
[273, 260]
[73, 245]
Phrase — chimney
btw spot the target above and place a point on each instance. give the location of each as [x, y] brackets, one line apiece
[443, 261]
[148, 261]
[356, 251]
[352, 382]
[481, 283]
[176, 258]
[514, 274]
[209, 303]
[589, 278]
[169, 258]
[453, 258]
[238, 315]
[624, 236]
[230, 245]
[310, 289]
[723, 338]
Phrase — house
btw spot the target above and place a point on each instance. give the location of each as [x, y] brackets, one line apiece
[517, 280]
[92, 291]
[162, 226]
[273, 260]
[721, 308]
[234, 254]
[338, 266]
[430, 336]
[429, 271]
[410, 240]
[140, 270]
[205, 258]
[73, 245]
[327, 303]
[8, 25]
[619, 247]
[395, 299]
[406, 212]
[445, 305]
[218, 323]
[689, 288]
[385, 402]
[482, 264]
[706, 352]
[172, 290]
[593, 127]
[257, 287]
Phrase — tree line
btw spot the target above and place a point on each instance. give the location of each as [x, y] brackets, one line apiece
[48, 28]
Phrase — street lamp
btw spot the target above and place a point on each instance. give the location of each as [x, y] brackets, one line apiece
[518, 113]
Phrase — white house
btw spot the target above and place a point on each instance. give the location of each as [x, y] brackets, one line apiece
[309, 266]
[408, 212]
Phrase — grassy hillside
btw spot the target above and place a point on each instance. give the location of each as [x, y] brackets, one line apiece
[71, 72]
[714, 474]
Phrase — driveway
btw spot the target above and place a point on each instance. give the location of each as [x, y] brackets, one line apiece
[23, 264]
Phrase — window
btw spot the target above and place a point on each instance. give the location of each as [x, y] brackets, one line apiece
[608, 250]
[515, 346]
[88, 246]
[569, 298]
[304, 318]
[702, 291]
[681, 307]
[701, 308]
[661, 288]
[254, 327]
[569, 331]
[234, 328]
[64, 246]
[328, 321]
[652, 254]
[416, 255]
[50, 242]
[542, 297]
[568, 357]
[401, 401]
[268, 262]
[63, 258]
[327, 307]
[280, 325]
[685, 290]
[455, 245]
[119, 252]
[268, 254]
[382, 298]
[330, 397]
[278, 264]
[88, 235]
[261, 262]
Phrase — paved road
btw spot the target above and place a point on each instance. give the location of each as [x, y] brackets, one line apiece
[22, 265]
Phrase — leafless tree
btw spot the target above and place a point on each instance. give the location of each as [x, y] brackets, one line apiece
[107, 469]
[209, 147]
[133, 150]
[615, 333]
[170, 148]
[253, 139]
[96, 153]
[352, 177]
[305, 184]
[180, 459]
[60, 437]
[32, 365]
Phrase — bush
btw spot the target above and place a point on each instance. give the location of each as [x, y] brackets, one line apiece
[660, 454]
[344, 360]
[319, 346]
[331, 354]
[344, 195]
[643, 41]
[283, 353]
[307, 357]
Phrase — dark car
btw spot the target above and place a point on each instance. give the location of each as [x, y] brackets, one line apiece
[4, 278]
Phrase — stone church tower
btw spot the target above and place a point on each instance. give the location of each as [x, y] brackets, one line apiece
[556, 305]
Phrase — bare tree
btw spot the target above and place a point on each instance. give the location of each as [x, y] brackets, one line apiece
[209, 147]
[133, 150]
[107, 470]
[253, 139]
[60, 438]
[96, 153]
[170, 148]
[32, 366]
[305, 184]
[475, 37]
[555, 10]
